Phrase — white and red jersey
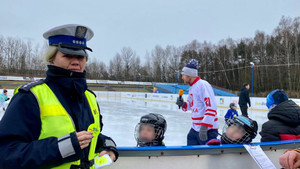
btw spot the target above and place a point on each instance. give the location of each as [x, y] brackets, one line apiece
[201, 100]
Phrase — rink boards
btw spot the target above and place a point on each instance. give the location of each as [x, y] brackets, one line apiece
[204, 157]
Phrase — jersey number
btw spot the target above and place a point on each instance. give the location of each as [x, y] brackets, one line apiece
[207, 101]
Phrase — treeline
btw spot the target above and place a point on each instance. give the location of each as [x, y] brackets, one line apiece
[226, 64]
[19, 57]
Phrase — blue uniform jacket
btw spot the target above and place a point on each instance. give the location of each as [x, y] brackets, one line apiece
[230, 114]
[21, 124]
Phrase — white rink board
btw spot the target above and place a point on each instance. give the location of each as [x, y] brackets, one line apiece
[257, 103]
[222, 161]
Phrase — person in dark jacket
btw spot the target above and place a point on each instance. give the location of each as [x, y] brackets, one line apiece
[284, 118]
[244, 99]
[21, 143]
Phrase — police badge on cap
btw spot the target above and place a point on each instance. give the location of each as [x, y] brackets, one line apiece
[70, 39]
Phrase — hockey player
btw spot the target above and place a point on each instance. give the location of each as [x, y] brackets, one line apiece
[231, 112]
[238, 130]
[202, 102]
[3, 99]
[150, 130]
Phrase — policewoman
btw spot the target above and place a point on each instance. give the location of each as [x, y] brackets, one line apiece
[56, 122]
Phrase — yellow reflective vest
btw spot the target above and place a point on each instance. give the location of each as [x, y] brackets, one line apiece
[56, 122]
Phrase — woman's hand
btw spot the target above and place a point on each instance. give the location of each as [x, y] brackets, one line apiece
[84, 138]
[110, 153]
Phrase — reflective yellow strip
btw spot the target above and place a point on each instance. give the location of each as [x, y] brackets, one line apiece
[95, 127]
[17, 89]
[93, 106]
[52, 110]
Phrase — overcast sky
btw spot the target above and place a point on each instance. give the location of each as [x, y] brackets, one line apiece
[142, 24]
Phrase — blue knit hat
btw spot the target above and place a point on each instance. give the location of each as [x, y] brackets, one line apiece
[191, 69]
[276, 97]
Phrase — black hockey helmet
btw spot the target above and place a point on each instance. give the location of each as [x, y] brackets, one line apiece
[158, 122]
[231, 105]
[246, 125]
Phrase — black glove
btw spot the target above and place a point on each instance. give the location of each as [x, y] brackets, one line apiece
[7, 99]
[180, 102]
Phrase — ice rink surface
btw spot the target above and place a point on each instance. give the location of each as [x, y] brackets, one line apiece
[120, 117]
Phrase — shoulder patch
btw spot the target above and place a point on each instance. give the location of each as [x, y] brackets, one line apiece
[91, 92]
[26, 87]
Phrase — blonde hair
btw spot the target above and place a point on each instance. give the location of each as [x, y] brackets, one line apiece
[50, 53]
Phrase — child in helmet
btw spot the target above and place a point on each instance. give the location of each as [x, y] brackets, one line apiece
[238, 130]
[150, 130]
[3, 99]
[231, 112]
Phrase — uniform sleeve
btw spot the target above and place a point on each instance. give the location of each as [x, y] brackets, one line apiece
[268, 133]
[19, 132]
[248, 98]
[227, 115]
[208, 97]
[186, 106]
